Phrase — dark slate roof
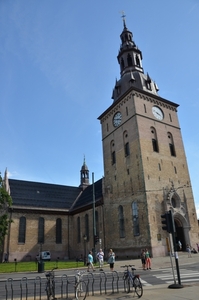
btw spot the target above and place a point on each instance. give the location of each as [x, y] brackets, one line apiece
[86, 198]
[42, 195]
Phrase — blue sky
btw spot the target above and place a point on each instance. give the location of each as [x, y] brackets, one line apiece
[59, 64]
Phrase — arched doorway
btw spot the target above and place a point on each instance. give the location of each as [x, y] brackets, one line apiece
[179, 234]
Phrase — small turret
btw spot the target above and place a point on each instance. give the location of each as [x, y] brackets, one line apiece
[84, 176]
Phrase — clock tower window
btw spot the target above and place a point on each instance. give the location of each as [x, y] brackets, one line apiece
[171, 144]
[127, 149]
[154, 140]
[113, 158]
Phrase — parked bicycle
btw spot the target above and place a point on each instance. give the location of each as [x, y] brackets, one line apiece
[81, 287]
[132, 280]
[50, 285]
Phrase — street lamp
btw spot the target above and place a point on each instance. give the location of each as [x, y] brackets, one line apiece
[85, 239]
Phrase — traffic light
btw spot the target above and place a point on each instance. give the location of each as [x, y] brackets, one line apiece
[165, 222]
[168, 222]
[96, 239]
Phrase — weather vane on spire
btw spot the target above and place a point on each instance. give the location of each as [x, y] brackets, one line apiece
[123, 17]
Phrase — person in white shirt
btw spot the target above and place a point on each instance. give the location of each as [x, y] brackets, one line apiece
[100, 257]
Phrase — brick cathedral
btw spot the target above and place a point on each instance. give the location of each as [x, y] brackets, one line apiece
[145, 175]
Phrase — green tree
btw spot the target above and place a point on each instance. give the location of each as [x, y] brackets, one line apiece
[5, 203]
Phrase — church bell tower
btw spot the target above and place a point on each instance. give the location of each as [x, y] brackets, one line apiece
[145, 166]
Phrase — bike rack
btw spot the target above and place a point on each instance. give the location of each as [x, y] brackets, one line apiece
[24, 280]
[105, 281]
[92, 284]
[9, 281]
[65, 285]
[37, 280]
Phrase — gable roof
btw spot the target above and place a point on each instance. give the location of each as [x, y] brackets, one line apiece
[45, 196]
[42, 195]
[86, 197]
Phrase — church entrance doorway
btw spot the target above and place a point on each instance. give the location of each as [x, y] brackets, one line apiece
[179, 235]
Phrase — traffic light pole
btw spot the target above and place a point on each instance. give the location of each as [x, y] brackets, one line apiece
[94, 221]
[169, 226]
[176, 285]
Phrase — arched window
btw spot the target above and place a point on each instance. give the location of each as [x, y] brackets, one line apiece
[41, 230]
[136, 229]
[113, 156]
[78, 230]
[171, 144]
[22, 230]
[154, 139]
[129, 60]
[58, 231]
[137, 60]
[87, 226]
[121, 222]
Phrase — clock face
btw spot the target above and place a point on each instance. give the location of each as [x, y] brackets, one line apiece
[157, 112]
[117, 119]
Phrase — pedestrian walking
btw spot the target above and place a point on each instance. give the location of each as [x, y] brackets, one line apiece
[180, 245]
[111, 259]
[100, 257]
[6, 258]
[188, 247]
[143, 259]
[148, 259]
[90, 261]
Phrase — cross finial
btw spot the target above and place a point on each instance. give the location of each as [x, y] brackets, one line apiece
[123, 17]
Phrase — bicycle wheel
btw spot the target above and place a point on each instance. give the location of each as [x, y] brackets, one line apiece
[138, 287]
[127, 285]
[48, 291]
[81, 290]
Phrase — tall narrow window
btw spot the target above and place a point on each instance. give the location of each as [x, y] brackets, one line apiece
[113, 155]
[78, 230]
[129, 60]
[121, 222]
[97, 222]
[22, 230]
[136, 229]
[126, 144]
[154, 140]
[41, 231]
[137, 60]
[87, 226]
[127, 149]
[58, 231]
[171, 144]
[113, 158]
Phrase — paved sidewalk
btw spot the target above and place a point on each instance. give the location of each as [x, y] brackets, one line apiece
[158, 292]
[161, 262]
